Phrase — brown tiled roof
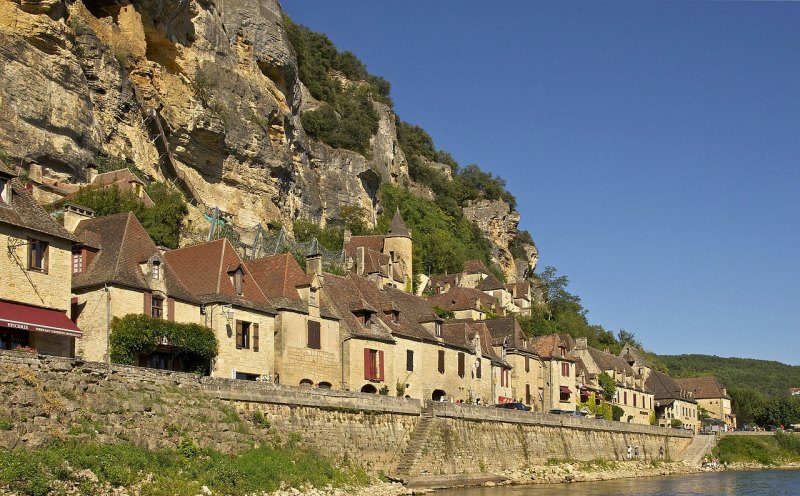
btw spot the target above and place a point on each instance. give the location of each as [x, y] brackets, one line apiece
[444, 279]
[370, 242]
[548, 347]
[664, 387]
[124, 244]
[519, 289]
[632, 355]
[203, 268]
[24, 212]
[490, 283]
[508, 330]
[278, 277]
[414, 310]
[398, 226]
[607, 361]
[702, 387]
[475, 267]
[460, 333]
[462, 299]
[343, 294]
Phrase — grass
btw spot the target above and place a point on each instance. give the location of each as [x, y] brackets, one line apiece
[766, 450]
[181, 471]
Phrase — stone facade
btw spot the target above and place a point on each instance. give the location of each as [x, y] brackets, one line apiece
[246, 361]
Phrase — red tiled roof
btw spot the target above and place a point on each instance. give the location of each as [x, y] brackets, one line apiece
[26, 213]
[278, 277]
[475, 267]
[204, 267]
[462, 299]
[703, 387]
[374, 242]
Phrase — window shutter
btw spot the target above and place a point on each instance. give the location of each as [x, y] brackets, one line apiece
[367, 364]
[170, 309]
[461, 365]
[380, 365]
[527, 364]
[502, 378]
[255, 337]
[239, 340]
[478, 370]
[528, 394]
[409, 360]
[441, 361]
[314, 335]
[148, 304]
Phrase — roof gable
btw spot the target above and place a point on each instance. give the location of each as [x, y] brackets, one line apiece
[24, 212]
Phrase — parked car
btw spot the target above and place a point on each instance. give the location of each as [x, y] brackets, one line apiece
[514, 406]
[570, 413]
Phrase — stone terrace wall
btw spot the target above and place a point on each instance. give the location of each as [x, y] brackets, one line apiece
[469, 439]
[51, 397]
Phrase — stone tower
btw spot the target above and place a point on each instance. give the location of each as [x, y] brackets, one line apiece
[397, 244]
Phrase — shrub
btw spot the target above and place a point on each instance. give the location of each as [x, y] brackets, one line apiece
[193, 344]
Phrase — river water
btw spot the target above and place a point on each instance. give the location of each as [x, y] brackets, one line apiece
[732, 483]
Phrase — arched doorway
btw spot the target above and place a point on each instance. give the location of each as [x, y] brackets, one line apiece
[369, 388]
[438, 394]
[324, 385]
[307, 382]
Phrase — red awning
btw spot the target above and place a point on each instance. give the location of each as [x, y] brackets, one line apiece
[33, 319]
[565, 390]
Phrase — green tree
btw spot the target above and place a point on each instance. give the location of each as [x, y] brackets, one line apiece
[745, 402]
[608, 385]
[781, 410]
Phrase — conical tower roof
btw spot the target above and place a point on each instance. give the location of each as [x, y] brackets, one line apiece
[398, 226]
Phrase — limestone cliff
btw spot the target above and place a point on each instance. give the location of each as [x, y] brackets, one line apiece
[204, 93]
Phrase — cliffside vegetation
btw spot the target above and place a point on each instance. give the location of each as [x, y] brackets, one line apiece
[766, 450]
[347, 119]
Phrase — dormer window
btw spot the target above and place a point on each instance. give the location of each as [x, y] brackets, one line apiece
[438, 329]
[237, 281]
[312, 297]
[155, 270]
[77, 262]
[5, 192]
[394, 316]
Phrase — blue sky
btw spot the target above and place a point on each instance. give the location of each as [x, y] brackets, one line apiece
[653, 147]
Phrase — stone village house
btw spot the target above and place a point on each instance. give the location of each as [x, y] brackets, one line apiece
[117, 271]
[35, 291]
[558, 373]
[527, 372]
[233, 305]
[712, 397]
[383, 259]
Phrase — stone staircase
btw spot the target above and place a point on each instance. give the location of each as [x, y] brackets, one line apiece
[700, 446]
[405, 468]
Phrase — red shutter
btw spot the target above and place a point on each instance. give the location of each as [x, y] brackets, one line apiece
[255, 337]
[367, 365]
[380, 365]
[239, 340]
[461, 365]
[170, 309]
[148, 304]
[441, 361]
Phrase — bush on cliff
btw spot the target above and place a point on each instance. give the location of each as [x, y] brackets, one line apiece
[766, 449]
[194, 345]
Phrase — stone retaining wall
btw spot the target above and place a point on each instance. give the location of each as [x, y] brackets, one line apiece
[49, 395]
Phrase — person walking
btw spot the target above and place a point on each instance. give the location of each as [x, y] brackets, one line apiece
[636, 452]
[661, 452]
[629, 452]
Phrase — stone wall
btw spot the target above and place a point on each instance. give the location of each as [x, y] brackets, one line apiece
[50, 397]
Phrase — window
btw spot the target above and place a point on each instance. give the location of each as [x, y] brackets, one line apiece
[564, 393]
[312, 297]
[478, 368]
[5, 191]
[155, 270]
[527, 394]
[634, 399]
[37, 255]
[77, 262]
[461, 365]
[528, 365]
[314, 337]
[409, 360]
[236, 280]
[373, 364]
[565, 369]
[441, 361]
[395, 317]
[245, 334]
[625, 398]
[438, 329]
[157, 307]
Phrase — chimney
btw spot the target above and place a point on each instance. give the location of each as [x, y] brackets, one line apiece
[74, 214]
[581, 344]
[314, 264]
[360, 260]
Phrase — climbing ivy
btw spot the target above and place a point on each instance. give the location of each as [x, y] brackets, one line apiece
[132, 334]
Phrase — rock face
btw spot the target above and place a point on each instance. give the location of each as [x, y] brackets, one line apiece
[78, 79]
[85, 78]
[499, 224]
